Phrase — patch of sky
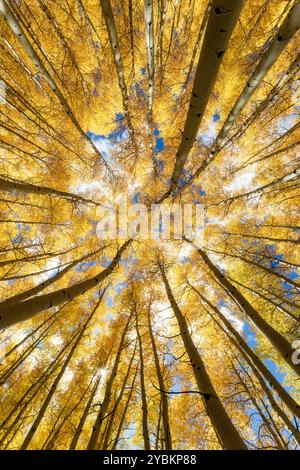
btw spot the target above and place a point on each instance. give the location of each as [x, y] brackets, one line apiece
[105, 143]
[136, 198]
[136, 275]
[288, 290]
[276, 261]
[209, 136]
[143, 71]
[108, 317]
[159, 141]
[126, 263]
[105, 261]
[285, 123]
[120, 286]
[82, 267]
[292, 275]
[139, 90]
[176, 386]
[109, 301]
[274, 369]
[216, 117]
[23, 227]
[249, 334]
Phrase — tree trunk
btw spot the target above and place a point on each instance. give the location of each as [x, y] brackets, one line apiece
[84, 415]
[275, 338]
[243, 346]
[255, 404]
[93, 442]
[12, 186]
[287, 30]
[146, 436]
[222, 20]
[35, 290]
[29, 308]
[12, 22]
[120, 427]
[164, 398]
[53, 388]
[225, 430]
[107, 437]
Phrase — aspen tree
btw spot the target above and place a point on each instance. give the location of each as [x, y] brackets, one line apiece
[101, 415]
[31, 307]
[277, 340]
[145, 428]
[164, 398]
[12, 21]
[287, 30]
[226, 432]
[222, 18]
[59, 376]
[282, 393]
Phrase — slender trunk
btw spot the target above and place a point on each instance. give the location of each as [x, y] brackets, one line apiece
[93, 441]
[79, 427]
[35, 330]
[12, 186]
[265, 406]
[287, 30]
[115, 48]
[255, 403]
[120, 427]
[195, 50]
[29, 308]
[275, 338]
[164, 398]
[31, 393]
[107, 437]
[225, 430]
[263, 370]
[277, 408]
[13, 23]
[277, 305]
[221, 22]
[283, 81]
[35, 290]
[54, 386]
[146, 436]
[53, 435]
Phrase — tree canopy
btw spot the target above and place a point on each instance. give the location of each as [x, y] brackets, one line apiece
[149, 343]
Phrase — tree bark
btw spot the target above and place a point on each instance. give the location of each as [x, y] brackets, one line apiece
[93, 441]
[275, 338]
[225, 430]
[164, 398]
[222, 20]
[29, 308]
[263, 370]
[145, 429]
[44, 407]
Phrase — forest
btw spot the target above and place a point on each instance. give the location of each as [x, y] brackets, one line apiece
[153, 343]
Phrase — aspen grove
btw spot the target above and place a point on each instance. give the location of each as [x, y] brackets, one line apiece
[149, 343]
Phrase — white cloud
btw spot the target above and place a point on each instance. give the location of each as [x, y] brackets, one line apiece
[237, 323]
[243, 179]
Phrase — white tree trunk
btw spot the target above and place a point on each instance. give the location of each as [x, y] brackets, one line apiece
[222, 20]
[27, 309]
[12, 21]
[287, 30]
